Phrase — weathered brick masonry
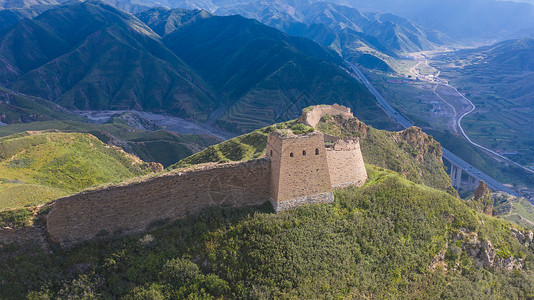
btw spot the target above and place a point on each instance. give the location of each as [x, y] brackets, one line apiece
[299, 170]
[131, 208]
[345, 163]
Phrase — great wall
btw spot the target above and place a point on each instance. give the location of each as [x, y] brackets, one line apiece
[296, 170]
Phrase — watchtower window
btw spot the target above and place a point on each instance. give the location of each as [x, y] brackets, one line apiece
[316, 151]
[304, 152]
[271, 153]
[291, 154]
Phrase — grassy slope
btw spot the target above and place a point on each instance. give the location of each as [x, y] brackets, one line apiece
[515, 210]
[38, 168]
[381, 148]
[160, 146]
[377, 241]
[16, 108]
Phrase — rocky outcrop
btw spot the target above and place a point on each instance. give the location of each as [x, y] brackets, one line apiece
[524, 238]
[134, 120]
[420, 144]
[484, 253]
[483, 197]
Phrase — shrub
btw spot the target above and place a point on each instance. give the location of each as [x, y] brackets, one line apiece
[179, 272]
[152, 292]
[215, 285]
[300, 128]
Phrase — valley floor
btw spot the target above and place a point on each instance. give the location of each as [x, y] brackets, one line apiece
[432, 103]
[165, 121]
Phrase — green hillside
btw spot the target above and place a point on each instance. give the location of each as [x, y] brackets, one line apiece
[19, 108]
[411, 152]
[389, 239]
[114, 61]
[498, 79]
[37, 167]
[515, 210]
[160, 146]
[264, 75]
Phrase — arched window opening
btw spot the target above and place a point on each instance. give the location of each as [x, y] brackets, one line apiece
[291, 154]
[304, 152]
[316, 151]
[271, 153]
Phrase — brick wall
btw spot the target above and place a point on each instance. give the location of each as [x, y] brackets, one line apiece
[300, 170]
[313, 115]
[346, 165]
[131, 208]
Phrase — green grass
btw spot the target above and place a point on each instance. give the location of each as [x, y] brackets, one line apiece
[377, 241]
[160, 146]
[414, 159]
[17, 218]
[37, 168]
[244, 147]
[17, 195]
[515, 210]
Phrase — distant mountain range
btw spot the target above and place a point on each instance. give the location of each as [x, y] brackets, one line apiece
[231, 71]
[92, 56]
[385, 32]
[468, 20]
[12, 12]
[464, 20]
[351, 33]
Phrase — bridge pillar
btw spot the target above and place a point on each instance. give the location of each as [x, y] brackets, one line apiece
[456, 176]
[472, 183]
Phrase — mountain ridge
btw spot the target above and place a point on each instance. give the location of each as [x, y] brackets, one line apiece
[116, 62]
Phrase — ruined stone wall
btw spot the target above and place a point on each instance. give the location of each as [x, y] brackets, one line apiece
[131, 208]
[345, 163]
[313, 115]
[299, 170]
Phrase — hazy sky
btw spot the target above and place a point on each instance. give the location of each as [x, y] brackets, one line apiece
[526, 1]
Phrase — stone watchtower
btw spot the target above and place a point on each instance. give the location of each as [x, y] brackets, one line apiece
[304, 170]
[299, 170]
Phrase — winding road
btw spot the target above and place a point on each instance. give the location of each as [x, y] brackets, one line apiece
[458, 120]
[405, 123]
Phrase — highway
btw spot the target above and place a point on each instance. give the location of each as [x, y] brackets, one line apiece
[448, 155]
